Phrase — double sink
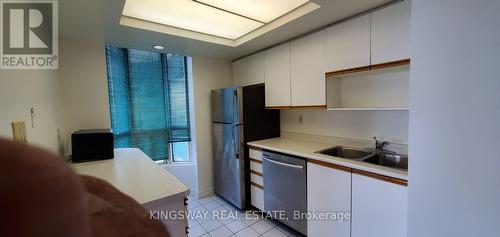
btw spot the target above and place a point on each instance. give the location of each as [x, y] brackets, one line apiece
[383, 158]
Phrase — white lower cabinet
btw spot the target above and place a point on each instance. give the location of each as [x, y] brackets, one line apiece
[257, 197]
[328, 191]
[256, 178]
[379, 208]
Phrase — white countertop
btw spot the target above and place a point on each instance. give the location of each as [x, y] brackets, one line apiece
[135, 174]
[306, 149]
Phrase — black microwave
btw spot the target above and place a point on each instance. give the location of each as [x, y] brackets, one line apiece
[91, 145]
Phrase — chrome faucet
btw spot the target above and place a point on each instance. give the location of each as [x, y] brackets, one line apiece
[379, 146]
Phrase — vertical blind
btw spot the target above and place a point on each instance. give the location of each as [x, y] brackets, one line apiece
[148, 96]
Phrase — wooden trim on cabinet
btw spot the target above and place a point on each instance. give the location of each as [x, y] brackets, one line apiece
[347, 71]
[278, 107]
[298, 107]
[390, 64]
[361, 172]
[368, 68]
[255, 148]
[381, 177]
[256, 173]
[256, 161]
[309, 107]
[257, 185]
[330, 165]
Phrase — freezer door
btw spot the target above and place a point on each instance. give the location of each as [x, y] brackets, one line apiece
[229, 163]
[227, 105]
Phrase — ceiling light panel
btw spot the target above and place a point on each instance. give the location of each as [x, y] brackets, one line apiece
[261, 10]
[191, 15]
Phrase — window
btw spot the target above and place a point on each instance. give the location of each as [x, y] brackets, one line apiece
[180, 152]
[148, 97]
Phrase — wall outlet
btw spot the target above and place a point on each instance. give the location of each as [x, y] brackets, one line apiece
[301, 118]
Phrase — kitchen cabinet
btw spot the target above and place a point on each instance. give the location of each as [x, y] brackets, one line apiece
[277, 76]
[240, 72]
[348, 44]
[256, 66]
[256, 178]
[328, 190]
[379, 207]
[390, 33]
[308, 86]
[386, 89]
[249, 70]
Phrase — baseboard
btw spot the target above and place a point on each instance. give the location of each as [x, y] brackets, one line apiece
[205, 193]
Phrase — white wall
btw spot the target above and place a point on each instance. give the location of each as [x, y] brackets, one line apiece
[454, 177]
[208, 74]
[388, 125]
[83, 86]
[21, 90]
[383, 88]
[84, 93]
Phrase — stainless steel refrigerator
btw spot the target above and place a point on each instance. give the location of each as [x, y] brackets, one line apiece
[238, 116]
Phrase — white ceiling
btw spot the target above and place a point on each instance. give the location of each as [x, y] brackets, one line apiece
[98, 20]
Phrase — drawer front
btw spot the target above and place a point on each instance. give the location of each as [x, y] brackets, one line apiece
[257, 179]
[255, 153]
[257, 197]
[255, 166]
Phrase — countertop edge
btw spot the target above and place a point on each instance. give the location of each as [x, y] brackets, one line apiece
[337, 161]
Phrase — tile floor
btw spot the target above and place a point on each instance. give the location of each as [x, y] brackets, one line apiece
[213, 216]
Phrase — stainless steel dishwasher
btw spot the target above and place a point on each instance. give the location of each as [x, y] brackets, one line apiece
[285, 188]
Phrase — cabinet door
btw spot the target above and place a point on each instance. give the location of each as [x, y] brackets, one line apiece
[348, 44]
[378, 207]
[256, 65]
[391, 33]
[240, 72]
[328, 190]
[277, 76]
[308, 71]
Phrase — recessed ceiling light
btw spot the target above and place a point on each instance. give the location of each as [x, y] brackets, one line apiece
[224, 22]
[260, 10]
[191, 16]
[159, 47]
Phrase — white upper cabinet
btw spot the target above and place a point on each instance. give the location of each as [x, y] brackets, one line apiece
[391, 33]
[308, 71]
[277, 76]
[348, 44]
[379, 208]
[328, 189]
[256, 66]
[240, 72]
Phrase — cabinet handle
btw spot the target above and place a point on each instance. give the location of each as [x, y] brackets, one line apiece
[284, 164]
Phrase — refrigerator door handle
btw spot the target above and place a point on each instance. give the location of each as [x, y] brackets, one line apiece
[236, 148]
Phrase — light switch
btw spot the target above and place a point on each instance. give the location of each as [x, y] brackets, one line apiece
[34, 118]
[19, 132]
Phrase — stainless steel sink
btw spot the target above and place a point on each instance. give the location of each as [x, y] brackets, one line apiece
[346, 152]
[383, 158]
[389, 160]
